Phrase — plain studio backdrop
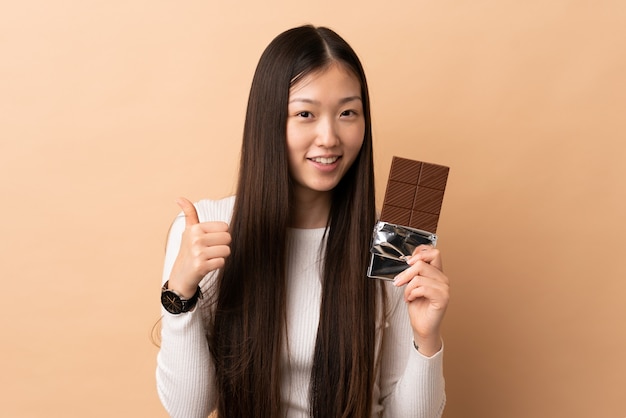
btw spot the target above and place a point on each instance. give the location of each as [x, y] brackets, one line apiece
[109, 110]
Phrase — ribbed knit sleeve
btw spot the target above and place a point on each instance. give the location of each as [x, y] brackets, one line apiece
[185, 369]
[408, 384]
[411, 385]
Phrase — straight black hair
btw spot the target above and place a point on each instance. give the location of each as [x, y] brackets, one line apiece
[248, 325]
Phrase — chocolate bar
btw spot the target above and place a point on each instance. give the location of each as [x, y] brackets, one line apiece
[414, 194]
[409, 216]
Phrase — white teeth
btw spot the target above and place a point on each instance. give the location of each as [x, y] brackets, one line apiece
[324, 160]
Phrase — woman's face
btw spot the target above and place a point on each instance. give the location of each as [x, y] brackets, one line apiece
[325, 128]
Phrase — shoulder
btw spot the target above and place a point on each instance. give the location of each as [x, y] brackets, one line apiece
[216, 210]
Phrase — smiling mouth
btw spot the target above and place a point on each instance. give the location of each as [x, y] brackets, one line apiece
[324, 160]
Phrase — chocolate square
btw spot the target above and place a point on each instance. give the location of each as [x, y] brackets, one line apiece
[414, 194]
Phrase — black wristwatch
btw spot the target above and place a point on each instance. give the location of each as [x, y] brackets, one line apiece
[174, 304]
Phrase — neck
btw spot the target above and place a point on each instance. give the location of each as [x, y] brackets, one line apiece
[310, 210]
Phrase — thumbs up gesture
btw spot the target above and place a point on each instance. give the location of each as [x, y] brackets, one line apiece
[204, 248]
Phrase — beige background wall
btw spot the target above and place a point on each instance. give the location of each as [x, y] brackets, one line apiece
[110, 110]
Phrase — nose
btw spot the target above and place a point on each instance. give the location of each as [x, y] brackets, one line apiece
[327, 135]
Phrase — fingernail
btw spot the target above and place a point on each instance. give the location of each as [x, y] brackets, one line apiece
[396, 280]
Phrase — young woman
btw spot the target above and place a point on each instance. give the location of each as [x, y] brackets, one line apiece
[268, 311]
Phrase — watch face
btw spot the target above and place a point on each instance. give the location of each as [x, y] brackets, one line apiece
[171, 302]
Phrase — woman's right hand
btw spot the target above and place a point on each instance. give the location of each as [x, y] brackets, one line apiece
[204, 248]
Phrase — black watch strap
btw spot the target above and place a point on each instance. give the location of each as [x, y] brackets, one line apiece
[174, 304]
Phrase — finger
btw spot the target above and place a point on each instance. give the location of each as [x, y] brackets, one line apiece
[419, 268]
[422, 248]
[220, 251]
[191, 215]
[215, 263]
[209, 239]
[204, 267]
[214, 227]
[438, 298]
[212, 240]
[425, 287]
[427, 254]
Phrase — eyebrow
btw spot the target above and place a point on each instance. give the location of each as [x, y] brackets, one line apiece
[315, 102]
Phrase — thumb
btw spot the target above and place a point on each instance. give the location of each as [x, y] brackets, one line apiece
[191, 215]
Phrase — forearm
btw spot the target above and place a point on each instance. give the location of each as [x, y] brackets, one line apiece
[185, 371]
[412, 383]
[420, 392]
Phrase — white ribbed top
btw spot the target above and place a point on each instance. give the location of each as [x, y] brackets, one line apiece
[408, 385]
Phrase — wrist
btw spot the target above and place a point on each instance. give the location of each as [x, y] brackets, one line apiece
[174, 303]
[428, 346]
[181, 289]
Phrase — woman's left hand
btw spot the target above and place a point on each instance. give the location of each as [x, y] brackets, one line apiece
[427, 293]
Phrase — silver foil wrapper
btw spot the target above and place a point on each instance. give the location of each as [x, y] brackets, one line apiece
[392, 245]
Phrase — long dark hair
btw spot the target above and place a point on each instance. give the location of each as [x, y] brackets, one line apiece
[249, 320]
